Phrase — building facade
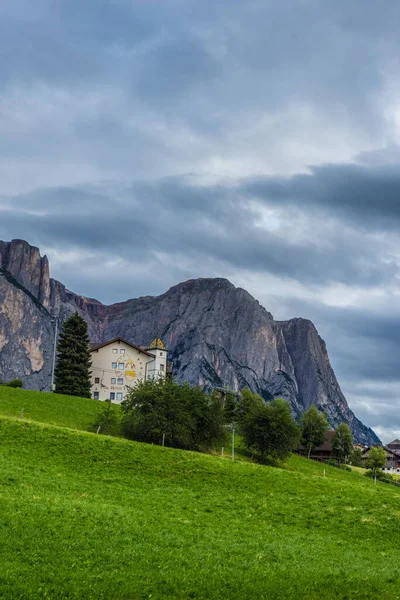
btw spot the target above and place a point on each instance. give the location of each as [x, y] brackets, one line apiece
[118, 364]
[392, 450]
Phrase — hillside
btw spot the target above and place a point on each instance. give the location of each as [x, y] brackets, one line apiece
[88, 516]
[46, 407]
[216, 334]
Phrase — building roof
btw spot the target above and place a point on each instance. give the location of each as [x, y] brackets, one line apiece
[394, 443]
[156, 344]
[386, 448]
[94, 347]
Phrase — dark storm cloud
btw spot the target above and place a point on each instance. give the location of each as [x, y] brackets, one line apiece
[367, 195]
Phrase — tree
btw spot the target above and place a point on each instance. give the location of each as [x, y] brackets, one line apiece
[249, 402]
[314, 427]
[376, 459]
[72, 373]
[342, 442]
[158, 410]
[269, 430]
[356, 457]
[108, 420]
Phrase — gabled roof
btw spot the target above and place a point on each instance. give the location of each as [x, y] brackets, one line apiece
[156, 344]
[94, 347]
[390, 450]
[395, 443]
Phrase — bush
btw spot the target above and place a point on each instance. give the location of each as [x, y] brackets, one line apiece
[14, 383]
[380, 475]
[107, 421]
[332, 462]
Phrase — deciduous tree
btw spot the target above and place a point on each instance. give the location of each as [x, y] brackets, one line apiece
[376, 459]
[356, 457]
[342, 442]
[269, 430]
[182, 415]
[314, 427]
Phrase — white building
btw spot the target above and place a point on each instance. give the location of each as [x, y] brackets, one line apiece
[117, 365]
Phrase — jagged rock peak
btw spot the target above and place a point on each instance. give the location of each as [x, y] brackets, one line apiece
[213, 287]
[202, 284]
[24, 263]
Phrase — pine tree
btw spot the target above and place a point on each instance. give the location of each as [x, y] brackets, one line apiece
[72, 373]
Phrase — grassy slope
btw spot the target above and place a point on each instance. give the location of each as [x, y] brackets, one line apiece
[86, 516]
[56, 409]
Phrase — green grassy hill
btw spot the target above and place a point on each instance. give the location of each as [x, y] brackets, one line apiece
[89, 516]
[54, 409]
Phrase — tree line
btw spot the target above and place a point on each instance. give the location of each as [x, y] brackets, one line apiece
[162, 411]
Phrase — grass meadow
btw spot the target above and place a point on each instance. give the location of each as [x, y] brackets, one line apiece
[46, 407]
[90, 516]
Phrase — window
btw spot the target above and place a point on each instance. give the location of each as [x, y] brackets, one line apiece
[120, 366]
[113, 380]
[113, 365]
[97, 379]
[119, 395]
[96, 395]
[122, 351]
[112, 395]
[161, 353]
[115, 350]
[161, 367]
[120, 381]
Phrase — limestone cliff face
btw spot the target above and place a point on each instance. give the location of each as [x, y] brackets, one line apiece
[26, 337]
[25, 264]
[217, 335]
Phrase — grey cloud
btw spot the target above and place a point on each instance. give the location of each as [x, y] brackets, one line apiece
[367, 195]
[196, 221]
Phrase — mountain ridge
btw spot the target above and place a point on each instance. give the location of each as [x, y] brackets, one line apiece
[217, 334]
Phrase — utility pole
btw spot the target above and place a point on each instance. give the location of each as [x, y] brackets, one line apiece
[53, 387]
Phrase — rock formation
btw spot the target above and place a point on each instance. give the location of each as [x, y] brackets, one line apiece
[217, 334]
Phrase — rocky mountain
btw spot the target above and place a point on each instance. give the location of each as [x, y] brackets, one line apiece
[217, 335]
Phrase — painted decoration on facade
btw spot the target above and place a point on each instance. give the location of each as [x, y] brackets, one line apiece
[130, 372]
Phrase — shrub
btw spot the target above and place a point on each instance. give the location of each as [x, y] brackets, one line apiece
[14, 383]
[107, 421]
[380, 475]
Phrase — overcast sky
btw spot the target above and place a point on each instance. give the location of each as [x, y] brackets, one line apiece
[145, 142]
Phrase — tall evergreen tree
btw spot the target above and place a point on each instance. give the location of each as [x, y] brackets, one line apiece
[72, 373]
